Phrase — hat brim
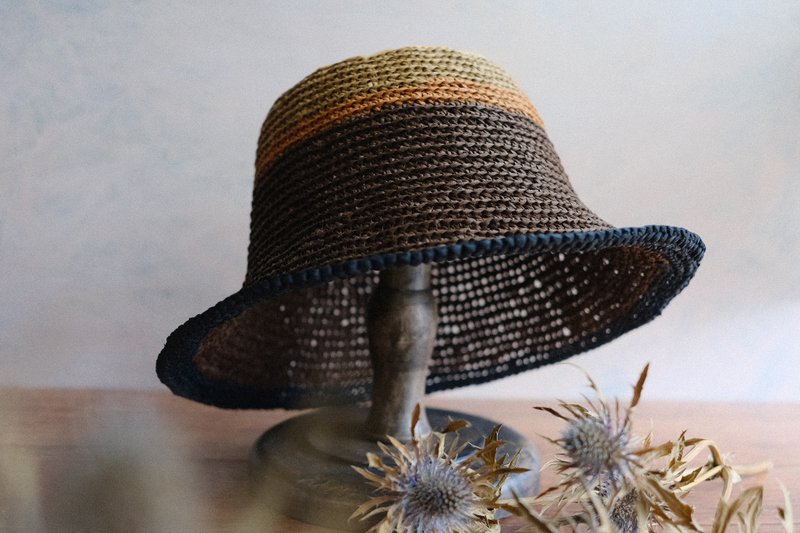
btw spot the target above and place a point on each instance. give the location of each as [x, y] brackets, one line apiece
[673, 255]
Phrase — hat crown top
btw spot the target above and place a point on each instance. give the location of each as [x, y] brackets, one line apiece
[364, 84]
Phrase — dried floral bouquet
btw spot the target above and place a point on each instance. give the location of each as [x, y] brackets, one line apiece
[609, 480]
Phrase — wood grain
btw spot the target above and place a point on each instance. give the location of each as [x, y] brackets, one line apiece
[57, 428]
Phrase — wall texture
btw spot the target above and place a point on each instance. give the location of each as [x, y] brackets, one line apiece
[128, 131]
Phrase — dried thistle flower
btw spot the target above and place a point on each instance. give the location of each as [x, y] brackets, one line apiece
[616, 484]
[596, 445]
[612, 482]
[426, 487]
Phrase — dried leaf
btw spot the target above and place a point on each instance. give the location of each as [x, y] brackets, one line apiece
[751, 509]
[455, 425]
[576, 410]
[374, 461]
[414, 421]
[538, 523]
[642, 515]
[727, 511]
[682, 511]
[785, 513]
[367, 474]
[637, 390]
[365, 507]
[552, 412]
[588, 377]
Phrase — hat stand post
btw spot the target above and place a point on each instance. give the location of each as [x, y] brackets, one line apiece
[401, 323]
[304, 464]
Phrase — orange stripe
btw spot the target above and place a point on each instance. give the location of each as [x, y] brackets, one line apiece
[435, 91]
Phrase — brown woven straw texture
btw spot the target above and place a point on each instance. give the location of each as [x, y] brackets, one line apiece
[409, 156]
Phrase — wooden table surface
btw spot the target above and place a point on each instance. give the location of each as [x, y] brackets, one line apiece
[62, 435]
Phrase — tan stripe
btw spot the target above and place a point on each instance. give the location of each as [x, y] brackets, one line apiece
[433, 92]
[344, 81]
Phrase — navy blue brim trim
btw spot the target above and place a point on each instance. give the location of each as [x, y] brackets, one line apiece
[682, 249]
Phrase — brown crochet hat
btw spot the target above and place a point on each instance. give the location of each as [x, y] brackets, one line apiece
[416, 155]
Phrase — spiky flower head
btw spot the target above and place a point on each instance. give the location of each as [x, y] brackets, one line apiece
[429, 486]
[596, 446]
[596, 443]
[437, 493]
[623, 512]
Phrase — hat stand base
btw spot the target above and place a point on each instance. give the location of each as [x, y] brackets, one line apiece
[302, 467]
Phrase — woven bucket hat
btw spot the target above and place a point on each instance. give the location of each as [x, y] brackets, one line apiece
[410, 156]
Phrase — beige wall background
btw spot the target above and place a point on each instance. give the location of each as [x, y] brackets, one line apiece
[128, 132]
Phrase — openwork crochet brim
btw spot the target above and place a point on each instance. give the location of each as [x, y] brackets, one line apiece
[417, 155]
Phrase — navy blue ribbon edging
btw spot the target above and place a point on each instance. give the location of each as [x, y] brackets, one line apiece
[682, 248]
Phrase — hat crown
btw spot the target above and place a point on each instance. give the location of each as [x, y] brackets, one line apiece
[359, 85]
[404, 149]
